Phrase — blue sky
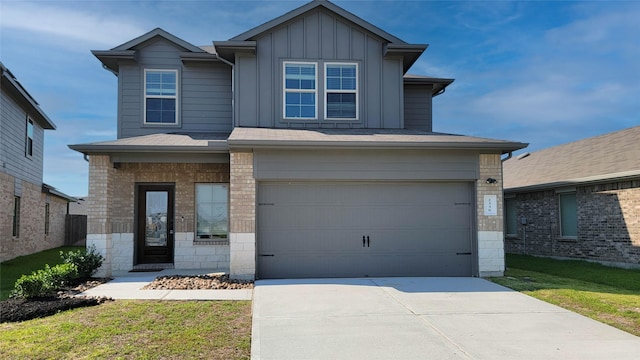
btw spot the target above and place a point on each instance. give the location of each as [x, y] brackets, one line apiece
[541, 72]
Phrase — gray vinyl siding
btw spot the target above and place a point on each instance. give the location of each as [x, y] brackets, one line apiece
[365, 165]
[13, 159]
[204, 92]
[320, 37]
[417, 107]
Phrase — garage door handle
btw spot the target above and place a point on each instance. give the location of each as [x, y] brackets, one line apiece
[267, 255]
[363, 241]
[467, 253]
[367, 241]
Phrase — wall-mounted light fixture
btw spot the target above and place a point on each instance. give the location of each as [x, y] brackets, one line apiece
[491, 181]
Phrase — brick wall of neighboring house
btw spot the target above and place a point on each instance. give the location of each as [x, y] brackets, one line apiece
[490, 227]
[608, 224]
[32, 237]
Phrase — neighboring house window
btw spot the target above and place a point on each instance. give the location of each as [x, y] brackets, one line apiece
[212, 211]
[161, 96]
[46, 219]
[341, 89]
[511, 217]
[29, 140]
[300, 90]
[16, 216]
[568, 215]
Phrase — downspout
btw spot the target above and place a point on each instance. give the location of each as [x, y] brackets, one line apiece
[508, 156]
[233, 83]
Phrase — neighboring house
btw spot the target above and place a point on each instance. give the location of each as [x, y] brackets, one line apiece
[299, 148]
[32, 214]
[578, 200]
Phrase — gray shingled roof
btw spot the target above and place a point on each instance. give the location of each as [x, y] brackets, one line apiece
[610, 156]
[193, 142]
[364, 138]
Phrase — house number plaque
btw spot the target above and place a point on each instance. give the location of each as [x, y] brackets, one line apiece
[491, 205]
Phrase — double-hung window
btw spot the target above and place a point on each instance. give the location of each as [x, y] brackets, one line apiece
[341, 89]
[212, 211]
[300, 90]
[46, 219]
[161, 96]
[16, 217]
[511, 216]
[29, 139]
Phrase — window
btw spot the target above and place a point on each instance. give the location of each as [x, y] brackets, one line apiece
[161, 96]
[568, 215]
[212, 211]
[300, 90]
[511, 217]
[29, 140]
[341, 89]
[46, 219]
[16, 216]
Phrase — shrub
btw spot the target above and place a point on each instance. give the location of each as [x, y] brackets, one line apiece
[86, 261]
[45, 281]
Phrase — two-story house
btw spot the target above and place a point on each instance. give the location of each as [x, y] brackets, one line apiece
[300, 148]
[32, 213]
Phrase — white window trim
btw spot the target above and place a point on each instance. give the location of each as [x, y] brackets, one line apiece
[215, 239]
[356, 91]
[285, 90]
[176, 97]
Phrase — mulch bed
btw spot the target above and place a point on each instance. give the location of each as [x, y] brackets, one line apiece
[19, 309]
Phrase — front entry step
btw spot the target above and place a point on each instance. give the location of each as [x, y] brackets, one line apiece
[152, 267]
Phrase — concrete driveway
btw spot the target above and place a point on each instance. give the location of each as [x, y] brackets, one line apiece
[421, 318]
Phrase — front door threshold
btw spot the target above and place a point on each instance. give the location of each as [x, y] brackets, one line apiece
[160, 266]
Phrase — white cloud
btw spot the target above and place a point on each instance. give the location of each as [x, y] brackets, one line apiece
[67, 23]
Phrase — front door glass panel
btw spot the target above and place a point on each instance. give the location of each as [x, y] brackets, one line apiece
[156, 218]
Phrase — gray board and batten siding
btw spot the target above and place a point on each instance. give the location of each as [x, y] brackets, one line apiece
[418, 107]
[13, 144]
[342, 213]
[318, 36]
[204, 92]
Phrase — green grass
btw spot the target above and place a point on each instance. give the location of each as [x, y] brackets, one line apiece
[606, 294]
[135, 329]
[11, 270]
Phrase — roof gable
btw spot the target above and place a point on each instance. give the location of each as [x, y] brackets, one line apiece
[269, 25]
[129, 45]
[600, 158]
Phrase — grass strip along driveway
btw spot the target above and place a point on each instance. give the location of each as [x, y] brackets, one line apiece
[609, 295]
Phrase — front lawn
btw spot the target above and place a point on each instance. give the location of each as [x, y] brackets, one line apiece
[606, 294]
[11, 270]
[133, 329]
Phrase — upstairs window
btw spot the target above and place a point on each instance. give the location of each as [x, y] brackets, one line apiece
[341, 91]
[300, 90]
[29, 139]
[161, 96]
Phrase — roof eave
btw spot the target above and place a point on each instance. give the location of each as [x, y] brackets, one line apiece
[111, 58]
[94, 149]
[48, 189]
[409, 52]
[591, 180]
[13, 86]
[228, 49]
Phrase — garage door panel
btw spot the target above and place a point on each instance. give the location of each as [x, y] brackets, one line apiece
[316, 229]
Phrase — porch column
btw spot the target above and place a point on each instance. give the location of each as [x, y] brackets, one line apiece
[242, 216]
[99, 228]
[490, 217]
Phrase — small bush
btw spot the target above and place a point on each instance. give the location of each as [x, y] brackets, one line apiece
[45, 281]
[86, 261]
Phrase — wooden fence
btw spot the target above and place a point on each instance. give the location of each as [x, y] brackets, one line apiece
[75, 230]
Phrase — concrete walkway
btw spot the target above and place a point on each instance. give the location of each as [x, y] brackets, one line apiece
[421, 318]
[126, 285]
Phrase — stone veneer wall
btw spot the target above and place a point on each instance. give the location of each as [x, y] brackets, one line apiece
[242, 237]
[490, 228]
[32, 238]
[608, 224]
[119, 236]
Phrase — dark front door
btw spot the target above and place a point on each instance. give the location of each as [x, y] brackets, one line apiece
[155, 224]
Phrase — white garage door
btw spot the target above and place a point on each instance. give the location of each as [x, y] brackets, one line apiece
[356, 229]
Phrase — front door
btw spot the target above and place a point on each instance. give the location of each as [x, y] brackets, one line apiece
[155, 224]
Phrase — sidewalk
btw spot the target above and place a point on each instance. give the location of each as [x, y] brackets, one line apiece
[126, 285]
